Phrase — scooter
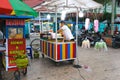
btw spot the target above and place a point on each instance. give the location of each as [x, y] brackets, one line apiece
[116, 41]
[92, 37]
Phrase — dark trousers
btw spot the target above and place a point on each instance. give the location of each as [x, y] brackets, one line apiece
[69, 40]
[1, 66]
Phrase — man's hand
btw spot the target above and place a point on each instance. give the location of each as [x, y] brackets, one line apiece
[60, 30]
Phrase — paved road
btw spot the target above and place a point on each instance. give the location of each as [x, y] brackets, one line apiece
[100, 66]
[97, 65]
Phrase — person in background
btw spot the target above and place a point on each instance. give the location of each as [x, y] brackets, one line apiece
[1, 35]
[2, 40]
[32, 29]
[66, 32]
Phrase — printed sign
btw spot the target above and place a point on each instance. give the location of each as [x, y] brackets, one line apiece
[15, 46]
[16, 22]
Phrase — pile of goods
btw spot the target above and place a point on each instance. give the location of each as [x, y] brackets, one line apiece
[22, 61]
[36, 54]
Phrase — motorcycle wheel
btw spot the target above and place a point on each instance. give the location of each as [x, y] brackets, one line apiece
[114, 45]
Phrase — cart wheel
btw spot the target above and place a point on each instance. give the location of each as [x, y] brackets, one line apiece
[17, 75]
[43, 56]
[24, 72]
[57, 63]
[114, 45]
[1, 75]
[71, 61]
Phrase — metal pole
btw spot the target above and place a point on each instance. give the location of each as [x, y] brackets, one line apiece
[56, 28]
[42, 26]
[66, 2]
[112, 20]
[77, 32]
[29, 28]
[39, 22]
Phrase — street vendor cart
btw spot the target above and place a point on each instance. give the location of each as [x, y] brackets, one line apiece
[54, 47]
[14, 56]
[59, 51]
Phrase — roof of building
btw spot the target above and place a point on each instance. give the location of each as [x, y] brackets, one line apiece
[33, 3]
[69, 5]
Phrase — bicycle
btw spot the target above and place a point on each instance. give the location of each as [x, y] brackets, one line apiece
[35, 45]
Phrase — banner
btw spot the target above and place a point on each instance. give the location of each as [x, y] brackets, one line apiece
[15, 46]
[15, 22]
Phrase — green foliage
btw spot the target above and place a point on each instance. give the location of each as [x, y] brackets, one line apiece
[107, 16]
[104, 2]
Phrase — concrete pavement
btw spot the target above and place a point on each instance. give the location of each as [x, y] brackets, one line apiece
[100, 66]
[97, 65]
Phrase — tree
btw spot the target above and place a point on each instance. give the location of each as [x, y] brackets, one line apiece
[104, 3]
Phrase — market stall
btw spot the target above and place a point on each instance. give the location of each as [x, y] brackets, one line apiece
[59, 51]
[55, 49]
[14, 55]
[53, 46]
[13, 15]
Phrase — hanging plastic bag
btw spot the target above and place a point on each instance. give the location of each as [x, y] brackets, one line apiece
[96, 25]
[87, 23]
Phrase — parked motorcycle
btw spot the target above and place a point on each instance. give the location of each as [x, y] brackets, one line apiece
[92, 37]
[116, 40]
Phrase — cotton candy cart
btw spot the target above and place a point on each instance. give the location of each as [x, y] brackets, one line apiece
[60, 51]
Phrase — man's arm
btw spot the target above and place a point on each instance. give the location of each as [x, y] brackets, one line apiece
[60, 30]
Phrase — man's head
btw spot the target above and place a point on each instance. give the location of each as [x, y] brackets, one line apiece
[62, 23]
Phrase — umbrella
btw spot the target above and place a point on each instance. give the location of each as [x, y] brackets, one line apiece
[5, 7]
[16, 7]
